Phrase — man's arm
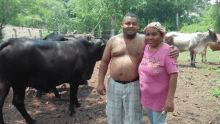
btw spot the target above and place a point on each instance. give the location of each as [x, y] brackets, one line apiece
[104, 67]
[174, 53]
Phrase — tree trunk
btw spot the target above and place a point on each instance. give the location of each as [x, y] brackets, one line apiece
[4, 7]
[177, 21]
[1, 27]
[124, 12]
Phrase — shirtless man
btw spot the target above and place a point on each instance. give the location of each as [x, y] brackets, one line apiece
[125, 51]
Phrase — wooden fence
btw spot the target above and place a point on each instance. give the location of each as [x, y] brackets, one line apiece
[104, 34]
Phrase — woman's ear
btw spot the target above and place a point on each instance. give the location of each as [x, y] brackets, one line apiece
[163, 35]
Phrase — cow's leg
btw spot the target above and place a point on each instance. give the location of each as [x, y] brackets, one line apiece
[203, 54]
[57, 95]
[193, 57]
[18, 101]
[63, 86]
[205, 51]
[39, 93]
[84, 82]
[73, 96]
[4, 90]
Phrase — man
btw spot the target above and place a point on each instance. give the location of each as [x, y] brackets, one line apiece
[125, 51]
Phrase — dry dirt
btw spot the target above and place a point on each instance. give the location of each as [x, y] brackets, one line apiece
[194, 103]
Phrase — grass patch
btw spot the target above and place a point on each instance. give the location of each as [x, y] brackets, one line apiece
[218, 82]
[188, 78]
[210, 56]
[209, 98]
[208, 68]
[216, 92]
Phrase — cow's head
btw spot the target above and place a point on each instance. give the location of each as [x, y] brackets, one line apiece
[212, 36]
[98, 48]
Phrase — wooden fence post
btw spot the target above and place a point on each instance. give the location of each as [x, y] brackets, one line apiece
[40, 33]
[15, 32]
[92, 33]
[112, 32]
[100, 33]
[29, 32]
[177, 21]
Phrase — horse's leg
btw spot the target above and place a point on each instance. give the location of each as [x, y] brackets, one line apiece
[4, 90]
[18, 101]
[193, 56]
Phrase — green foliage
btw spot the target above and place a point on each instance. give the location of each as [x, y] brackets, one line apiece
[84, 15]
[165, 12]
[211, 20]
[209, 98]
[192, 28]
[216, 92]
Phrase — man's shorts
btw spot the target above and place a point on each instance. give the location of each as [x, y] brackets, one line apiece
[124, 103]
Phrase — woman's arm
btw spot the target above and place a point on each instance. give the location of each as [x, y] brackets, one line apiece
[169, 104]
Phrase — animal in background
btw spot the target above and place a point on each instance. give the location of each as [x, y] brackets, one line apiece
[194, 42]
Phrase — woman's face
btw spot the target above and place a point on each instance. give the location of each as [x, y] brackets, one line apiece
[153, 36]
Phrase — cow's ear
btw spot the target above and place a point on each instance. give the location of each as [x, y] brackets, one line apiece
[103, 43]
[210, 32]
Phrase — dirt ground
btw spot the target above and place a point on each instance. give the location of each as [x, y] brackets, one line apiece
[194, 103]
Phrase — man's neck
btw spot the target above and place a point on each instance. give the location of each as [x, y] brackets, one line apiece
[129, 37]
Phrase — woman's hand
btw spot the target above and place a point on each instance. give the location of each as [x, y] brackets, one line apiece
[169, 106]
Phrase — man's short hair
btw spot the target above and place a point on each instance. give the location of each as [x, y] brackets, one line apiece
[130, 15]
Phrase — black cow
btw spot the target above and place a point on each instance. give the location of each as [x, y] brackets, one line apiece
[55, 37]
[60, 37]
[52, 37]
[49, 62]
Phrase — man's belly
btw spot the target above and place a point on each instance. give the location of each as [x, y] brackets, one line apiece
[124, 69]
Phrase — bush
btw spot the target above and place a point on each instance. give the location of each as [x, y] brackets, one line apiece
[194, 27]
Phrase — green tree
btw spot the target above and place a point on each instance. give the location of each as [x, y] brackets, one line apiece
[9, 10]
[165, 12]
[210, 20]
[89, 13]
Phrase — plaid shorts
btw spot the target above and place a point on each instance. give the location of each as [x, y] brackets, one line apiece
[124, 103]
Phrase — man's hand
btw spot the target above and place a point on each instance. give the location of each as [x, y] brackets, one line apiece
[101, 89]
[174, 53]
[169, 106]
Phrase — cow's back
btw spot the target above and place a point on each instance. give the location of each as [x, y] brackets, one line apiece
[43, 60]
[185, 41]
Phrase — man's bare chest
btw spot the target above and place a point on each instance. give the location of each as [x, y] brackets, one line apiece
[126, 49]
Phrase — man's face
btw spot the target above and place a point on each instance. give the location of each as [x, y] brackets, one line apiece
[130, 26]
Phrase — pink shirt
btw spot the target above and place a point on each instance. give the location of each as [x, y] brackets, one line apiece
[154, 79]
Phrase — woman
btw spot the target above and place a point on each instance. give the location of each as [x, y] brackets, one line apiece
[158, 75]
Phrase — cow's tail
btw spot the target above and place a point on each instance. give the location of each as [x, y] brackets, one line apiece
[4, 44]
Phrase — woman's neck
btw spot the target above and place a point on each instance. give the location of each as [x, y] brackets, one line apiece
[155, 48]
